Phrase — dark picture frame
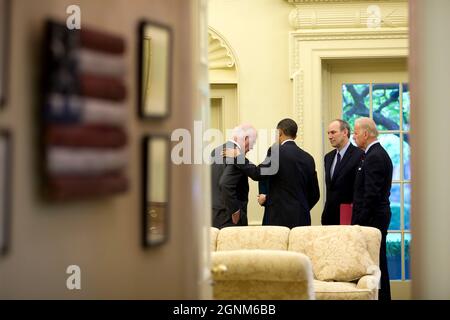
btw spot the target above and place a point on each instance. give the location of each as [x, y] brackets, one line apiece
[155, 59]
[156, 177]
[5, 189]
[5, 12]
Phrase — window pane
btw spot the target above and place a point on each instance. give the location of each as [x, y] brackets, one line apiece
[406, 157]
[407, 256]
[406, 102]
[391, 143]
[355, 102]
[394, 255]
[407, 205]
[395, 200]
[386, 105]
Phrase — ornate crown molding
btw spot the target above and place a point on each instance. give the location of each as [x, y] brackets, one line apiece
[350, 34]
[334, 1]
[349, 14]
[301, 36]
[220, 55]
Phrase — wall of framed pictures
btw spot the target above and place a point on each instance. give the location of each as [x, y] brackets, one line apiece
[154, 92]
[102, 235]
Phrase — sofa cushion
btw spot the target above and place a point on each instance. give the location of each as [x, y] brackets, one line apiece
[262, 290]
[373, 240]
[262, 265]
[255, 237]
[331, 260]
[326, 290]
[213, 238]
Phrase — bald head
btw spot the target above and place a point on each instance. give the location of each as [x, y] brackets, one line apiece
[245, 136]
[365, 132]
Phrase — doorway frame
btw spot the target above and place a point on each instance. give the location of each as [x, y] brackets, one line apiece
[308, 49]
[308, 52]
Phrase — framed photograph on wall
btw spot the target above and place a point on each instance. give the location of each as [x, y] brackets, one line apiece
[155, 69]
[5, 189]
[155, 189]
[4, 47]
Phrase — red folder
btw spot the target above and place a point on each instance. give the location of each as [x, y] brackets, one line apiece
[345, 211]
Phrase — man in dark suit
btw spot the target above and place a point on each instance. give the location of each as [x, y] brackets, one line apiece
[229, 185]
[293, 188]
[371, 205]
[341, 165]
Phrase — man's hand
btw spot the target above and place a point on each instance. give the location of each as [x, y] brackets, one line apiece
[236, 216]
[261, 199]
[230, 153]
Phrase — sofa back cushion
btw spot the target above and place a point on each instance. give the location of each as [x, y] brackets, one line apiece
[373, 240]
[337, 253]
[255, 237]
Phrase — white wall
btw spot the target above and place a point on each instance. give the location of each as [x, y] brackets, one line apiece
[103, 237]
[257, 30]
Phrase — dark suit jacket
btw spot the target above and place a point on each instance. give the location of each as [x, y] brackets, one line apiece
[371, 205]
[263, 187]
[293, 189]
[339, 189]
[229, 188]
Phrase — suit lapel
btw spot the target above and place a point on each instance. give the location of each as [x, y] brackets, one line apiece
[328, 162]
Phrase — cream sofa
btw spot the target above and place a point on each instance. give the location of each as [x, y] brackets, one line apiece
[254, 263]
[272, 262]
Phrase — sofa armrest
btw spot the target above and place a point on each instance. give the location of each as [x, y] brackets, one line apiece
[267, 265]
[370, 281]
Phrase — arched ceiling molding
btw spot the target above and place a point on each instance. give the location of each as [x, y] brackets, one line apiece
[220, 54]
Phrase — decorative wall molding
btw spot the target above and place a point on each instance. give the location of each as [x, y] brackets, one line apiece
[298, 37]
[325, 31]
[298, 79]
[349, 14]
[351, 34]
[308, 48]
[220, 55]
[334, 1]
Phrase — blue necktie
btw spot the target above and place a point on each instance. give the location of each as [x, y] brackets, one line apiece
[338, 160]
[337, 164]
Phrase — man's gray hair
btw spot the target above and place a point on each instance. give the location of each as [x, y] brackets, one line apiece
[369, 125]
[242, 131]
